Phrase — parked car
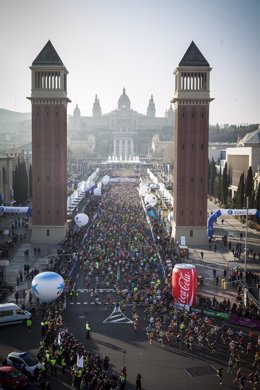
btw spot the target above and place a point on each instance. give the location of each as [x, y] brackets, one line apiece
[23, 359]
[11, 378]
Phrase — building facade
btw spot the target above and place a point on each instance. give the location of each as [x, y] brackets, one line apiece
[49, 146]
[191, 102]
[121, 127]
[246, 154]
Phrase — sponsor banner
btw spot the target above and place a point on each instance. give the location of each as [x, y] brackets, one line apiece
[242, 321]
[17, 210]
[216, 314]
[238, 211]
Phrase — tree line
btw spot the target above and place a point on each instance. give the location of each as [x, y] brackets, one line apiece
[218, 187]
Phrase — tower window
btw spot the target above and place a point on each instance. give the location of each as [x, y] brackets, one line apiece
[38, 146]
[57, 146]
[191, 233]
[47, 114]
[200, 212]
[38, 179]
[192, 146]
[39, 212]
[202, 115]
[202, 146]
[47, 232]
[38, 114]
[181, 212]
[193, 115]
[201, 179]
[182, 146]
[57, 113]
[57, 211]
[48, 178]
[191, 179]
[183, 114]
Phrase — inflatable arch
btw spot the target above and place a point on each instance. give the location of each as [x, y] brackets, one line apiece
[231, 212]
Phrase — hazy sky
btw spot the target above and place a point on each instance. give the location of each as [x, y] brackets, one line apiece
[110, 44]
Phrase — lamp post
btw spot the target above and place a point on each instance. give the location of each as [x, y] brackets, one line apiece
[246, 234]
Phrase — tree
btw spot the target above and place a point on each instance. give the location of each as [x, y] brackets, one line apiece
[20, 180]
[257, 202]
[249, 187]
[240, 196]
[212, 177]
[30, 181]
[225, 184]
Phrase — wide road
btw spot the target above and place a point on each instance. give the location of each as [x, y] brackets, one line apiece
[113, 335]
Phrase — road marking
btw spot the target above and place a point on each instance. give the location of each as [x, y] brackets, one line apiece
[117, 317]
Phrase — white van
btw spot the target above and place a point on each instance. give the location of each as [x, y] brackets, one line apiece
[10, 313]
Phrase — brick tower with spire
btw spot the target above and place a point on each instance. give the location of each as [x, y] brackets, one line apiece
[49, 146]
[191, 101]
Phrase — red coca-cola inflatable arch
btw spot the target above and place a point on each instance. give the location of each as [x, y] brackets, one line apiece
[184, 284]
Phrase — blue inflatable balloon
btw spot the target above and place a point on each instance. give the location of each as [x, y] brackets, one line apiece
[47, 286]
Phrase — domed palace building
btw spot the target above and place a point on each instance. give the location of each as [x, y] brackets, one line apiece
[123, 133]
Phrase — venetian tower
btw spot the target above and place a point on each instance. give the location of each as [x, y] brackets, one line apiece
[191, 101]
[49, 146]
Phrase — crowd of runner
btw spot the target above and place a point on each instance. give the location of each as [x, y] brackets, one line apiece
[125, 250]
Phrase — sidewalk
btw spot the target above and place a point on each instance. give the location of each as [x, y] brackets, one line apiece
[17, 258]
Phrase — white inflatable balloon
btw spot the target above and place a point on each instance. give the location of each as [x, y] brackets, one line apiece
[144, 190]
[150, 199]
[47, 286]
[81, 219]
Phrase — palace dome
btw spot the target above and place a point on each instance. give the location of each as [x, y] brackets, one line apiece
[124, 101]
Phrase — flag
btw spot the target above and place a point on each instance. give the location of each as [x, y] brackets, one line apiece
[80, 361]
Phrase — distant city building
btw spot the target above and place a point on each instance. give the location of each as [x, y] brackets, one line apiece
[49, 146]
[191, 102]
[124, 124]
[162, 149]
[246, 154]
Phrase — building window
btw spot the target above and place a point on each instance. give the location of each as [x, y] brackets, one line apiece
[39, 212]
[182, 146]
[191, 179]
[202, 146]
[57, 211]
[191, 233]
[181, 212]
[38, 179]
[47, 232]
